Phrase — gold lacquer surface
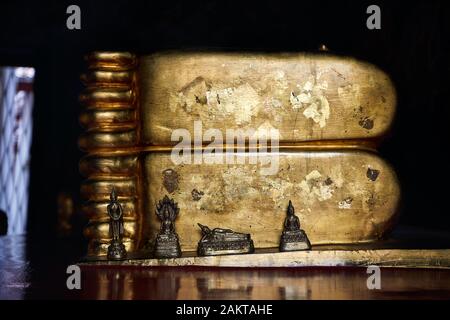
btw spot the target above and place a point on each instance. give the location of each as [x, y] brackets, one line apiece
[339, 196]
[306, 97]
[109, 165]
[91, 119]
[330, 112]
[110, 118]
[111, 61]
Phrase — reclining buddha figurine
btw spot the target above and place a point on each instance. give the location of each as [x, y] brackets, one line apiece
[223, 241]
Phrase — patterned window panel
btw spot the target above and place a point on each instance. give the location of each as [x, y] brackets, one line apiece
[16, 104]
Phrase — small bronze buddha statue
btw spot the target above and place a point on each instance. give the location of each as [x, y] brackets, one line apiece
[293, 238]
[116, 250]
[167, 244]
[219, 241]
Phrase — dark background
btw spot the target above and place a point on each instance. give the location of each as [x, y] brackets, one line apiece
[412, 46]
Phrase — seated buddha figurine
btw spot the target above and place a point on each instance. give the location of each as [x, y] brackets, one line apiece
[293, 238]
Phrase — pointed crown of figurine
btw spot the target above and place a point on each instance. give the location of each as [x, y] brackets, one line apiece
[113, 195]
[167, 203]
[290, 208]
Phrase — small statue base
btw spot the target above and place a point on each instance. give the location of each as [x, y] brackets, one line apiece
[294, 241]
[117, 251]
[224, 248]
[167, 246]
[223, 241]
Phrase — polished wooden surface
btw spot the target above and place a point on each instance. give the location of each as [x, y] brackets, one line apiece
[275, 284]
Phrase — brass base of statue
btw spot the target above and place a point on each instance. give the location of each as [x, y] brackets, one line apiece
[167, 246]
[116, 250]
[223, 241]
[294, 241]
